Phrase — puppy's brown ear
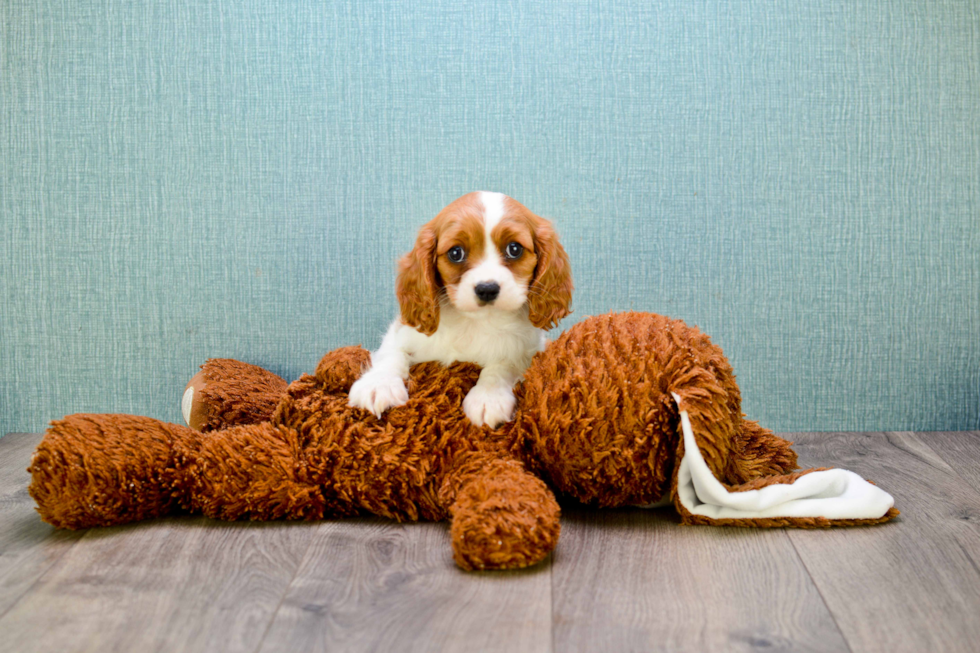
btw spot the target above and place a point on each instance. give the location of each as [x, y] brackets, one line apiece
[417, 286]
[550, 293]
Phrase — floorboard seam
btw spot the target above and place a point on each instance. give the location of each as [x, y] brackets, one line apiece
[823, 600]
[816, 585]
[285, 593]
[943, 458]
[964, 481]
[19, 436]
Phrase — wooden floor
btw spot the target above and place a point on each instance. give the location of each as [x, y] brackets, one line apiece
[620, 580]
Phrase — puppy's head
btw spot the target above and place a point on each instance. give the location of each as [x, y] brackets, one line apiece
[485, 252]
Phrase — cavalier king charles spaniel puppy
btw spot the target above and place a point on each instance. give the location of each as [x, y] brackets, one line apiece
[484, 281]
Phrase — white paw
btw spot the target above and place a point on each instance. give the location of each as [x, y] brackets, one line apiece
[377, 393]
[489, 405]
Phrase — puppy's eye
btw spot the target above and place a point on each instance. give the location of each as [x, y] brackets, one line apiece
[514, 250]
[457, 254]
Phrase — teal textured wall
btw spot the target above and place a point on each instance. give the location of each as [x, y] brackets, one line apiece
[236, 178]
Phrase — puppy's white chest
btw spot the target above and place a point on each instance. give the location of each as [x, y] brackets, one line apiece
[471, 340]
[483, 341]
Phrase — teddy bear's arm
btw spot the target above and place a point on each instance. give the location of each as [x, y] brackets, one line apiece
[227, 393]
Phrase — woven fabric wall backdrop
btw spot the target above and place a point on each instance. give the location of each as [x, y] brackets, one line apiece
[182, 180]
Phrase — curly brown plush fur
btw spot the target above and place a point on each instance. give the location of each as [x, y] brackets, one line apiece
[595, 419]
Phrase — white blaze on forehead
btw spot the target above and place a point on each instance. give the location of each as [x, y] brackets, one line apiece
[493, 208]
[493, 213]
[491, 267]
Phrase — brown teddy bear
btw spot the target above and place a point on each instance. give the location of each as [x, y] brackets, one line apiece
[623, 409]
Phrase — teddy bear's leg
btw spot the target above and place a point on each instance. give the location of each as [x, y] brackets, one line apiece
[101, 470]
[715, 416]
[757, 452]
[736, 449]
[227, 393]
[502, 517]
[257, 472]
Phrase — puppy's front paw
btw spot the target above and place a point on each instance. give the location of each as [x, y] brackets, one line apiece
[489, 405]
[377, 393]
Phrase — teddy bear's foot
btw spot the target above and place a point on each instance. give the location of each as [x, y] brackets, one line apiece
[228, 393]
[503, 518]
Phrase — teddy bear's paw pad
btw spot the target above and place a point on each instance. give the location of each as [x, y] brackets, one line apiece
[185, 404]
[192, 405]
[490, 406]
[377, 393]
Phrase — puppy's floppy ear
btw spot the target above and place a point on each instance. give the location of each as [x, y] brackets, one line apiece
[417, 286]
[550, 293]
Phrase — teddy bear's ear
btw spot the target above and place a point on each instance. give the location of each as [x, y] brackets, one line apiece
[417, 286]
[550, 295]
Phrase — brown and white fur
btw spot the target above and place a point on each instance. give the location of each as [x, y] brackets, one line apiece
[489, 307]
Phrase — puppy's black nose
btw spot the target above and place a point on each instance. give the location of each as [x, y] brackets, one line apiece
[487, 291]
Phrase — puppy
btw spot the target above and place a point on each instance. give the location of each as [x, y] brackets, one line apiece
[485, 279]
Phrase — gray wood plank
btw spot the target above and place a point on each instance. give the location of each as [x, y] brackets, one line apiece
[636, 580]
[912, 584]
[28, 546]
[176, 584]
[960, 450]
[623, 580]
[374, 585]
